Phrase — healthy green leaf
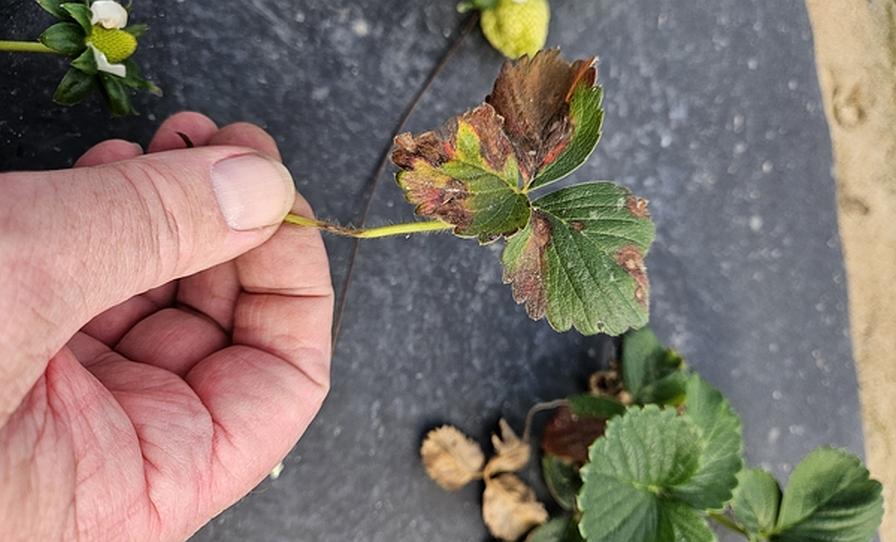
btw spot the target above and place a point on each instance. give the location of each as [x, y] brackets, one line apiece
[580, 259]
[136, 30]
[65, 38]
[628, 490]
[74, 87]
[556, 530]
[830, 498]
[552, 113]
[80, 13]
[54, 8]
[562, 479]
[116, 95]
[595, 406]
[756, 501]
[85, 62]
[711, 486]
[646, 363]
[465, 175]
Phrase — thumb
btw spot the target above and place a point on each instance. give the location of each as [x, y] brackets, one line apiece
[76, 242]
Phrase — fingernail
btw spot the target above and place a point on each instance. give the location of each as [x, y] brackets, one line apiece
[252, 191]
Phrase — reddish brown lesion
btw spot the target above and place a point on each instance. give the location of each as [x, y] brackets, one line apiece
[494, 146]
[631, 259]
[430, 147]
[527, 276]
[637, 206]
[533, 95]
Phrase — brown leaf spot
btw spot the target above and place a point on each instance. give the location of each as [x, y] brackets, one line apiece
[509, 508]
[532, 94]
[451, 458]
[577, 225]
[569, 437]
[493, 143]
[630, 259]
[527, 279]
[428, 146]
[637, 206]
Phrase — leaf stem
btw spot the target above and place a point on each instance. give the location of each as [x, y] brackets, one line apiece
[540, 407]
[368, 233]
[25, 47]
[726, 522]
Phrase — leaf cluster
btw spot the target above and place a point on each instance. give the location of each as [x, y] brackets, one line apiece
[659, 458]
[68, 37]
[575, 255]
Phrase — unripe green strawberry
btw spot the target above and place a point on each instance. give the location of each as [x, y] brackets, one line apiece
[516, 27]
[116, 44]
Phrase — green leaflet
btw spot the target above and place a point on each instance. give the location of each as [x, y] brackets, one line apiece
[85, 62]
[586, 115]
[651, 372]
[80, 13]
[628, 482]
[466, 176]
[556, 530]
[116, 95]
[756, 501]
[66, 38]
[54, 8]
[829, 498]
[595, 406]
[74, 87]
[580, 259]
[562, 480]
[711, 485]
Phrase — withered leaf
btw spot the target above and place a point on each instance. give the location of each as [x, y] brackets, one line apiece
[568, 437]
[580, 259]
[511, 453]
[552, 113]
[451, 458]
[509, 507]
[465, 175]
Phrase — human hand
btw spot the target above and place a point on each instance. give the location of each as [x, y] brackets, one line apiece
[162, 343]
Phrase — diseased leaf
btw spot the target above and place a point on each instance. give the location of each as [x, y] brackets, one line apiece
[65, 38]
[451, 458]
[756, 501]
[511, 453]
[711, 485]
[562, 479]
[568, 437]
[830, 497]
[587, 405]
[580, 259]
[628, 483]
[646, 362]
[509, 508]
[74, 87]
[465, 175]
[552, 113]
[556, 530]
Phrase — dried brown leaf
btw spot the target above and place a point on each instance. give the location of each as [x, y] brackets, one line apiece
[509, 508]
[511, 453]
[451, 458]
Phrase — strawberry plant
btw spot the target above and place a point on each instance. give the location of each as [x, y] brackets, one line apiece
[663, 463]
[574, 255]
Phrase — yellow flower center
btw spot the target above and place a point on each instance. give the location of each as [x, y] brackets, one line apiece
[116, 44]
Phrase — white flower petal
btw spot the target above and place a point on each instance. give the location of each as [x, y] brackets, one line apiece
[108, 14]
[103, 64]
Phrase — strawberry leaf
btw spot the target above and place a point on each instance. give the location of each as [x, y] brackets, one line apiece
[580, 259]
[829, 497]
[756, 501]
[552, 112]
[629, 482]
[465, 175]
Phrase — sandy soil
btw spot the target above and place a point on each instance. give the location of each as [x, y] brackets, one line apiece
[855, 44]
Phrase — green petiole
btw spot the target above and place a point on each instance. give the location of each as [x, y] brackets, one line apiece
[368, 233]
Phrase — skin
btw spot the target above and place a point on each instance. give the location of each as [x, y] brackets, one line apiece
[154, 363]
